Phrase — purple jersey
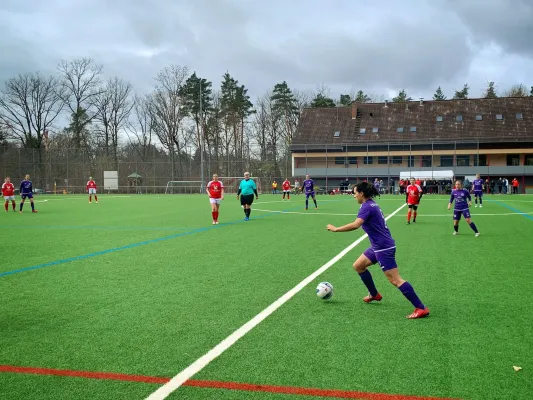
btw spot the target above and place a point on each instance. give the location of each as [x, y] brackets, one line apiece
[461, 197]
[26, 187]
[309, 186]
[478, 185]
[375, 226]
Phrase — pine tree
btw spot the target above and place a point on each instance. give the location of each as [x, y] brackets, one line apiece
[361, 97]
[345, 100]
[439, 95]
[285, 108]
[490, 92]
[463, 93]
[197, 101]
[402, 96]
[322, 101]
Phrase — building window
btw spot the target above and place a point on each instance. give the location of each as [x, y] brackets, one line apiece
[397, 159]
[352, 160]
[399, 130]
[479, 117]
[528, 159]
[336, 134]
[446, 161]
[410, 161]
[375, 130]
[413, 129]
[383, 160]
[499, 117]
[439, 118]
[362, 131]
[480, 160]
[459, 118]
[513, 160]
[368, 160]
[519, 116]
[340, 160]
[463, 160]
[427, 161]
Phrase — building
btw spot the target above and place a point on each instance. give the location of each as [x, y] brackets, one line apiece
[493, 137]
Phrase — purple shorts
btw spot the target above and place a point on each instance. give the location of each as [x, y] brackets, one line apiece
[28, 195]
[385, 258]
[457, 214]
[478, 193]
[312, 194]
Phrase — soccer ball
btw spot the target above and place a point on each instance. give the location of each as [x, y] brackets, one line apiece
[324, 290]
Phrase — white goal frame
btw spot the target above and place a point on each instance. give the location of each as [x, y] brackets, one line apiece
[231, 185]
[183, 187]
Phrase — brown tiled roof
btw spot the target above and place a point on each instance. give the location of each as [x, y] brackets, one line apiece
[318, 125]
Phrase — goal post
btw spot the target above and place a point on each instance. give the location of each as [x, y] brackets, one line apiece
[183, 187]
[231, 185]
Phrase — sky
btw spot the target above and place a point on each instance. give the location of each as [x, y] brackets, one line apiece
[378, 46]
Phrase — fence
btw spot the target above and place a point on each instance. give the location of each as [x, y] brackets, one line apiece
[67, 170]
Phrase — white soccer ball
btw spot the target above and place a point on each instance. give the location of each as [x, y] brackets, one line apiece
[324, 290]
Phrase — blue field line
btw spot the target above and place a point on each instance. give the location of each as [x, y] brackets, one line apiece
[516, 210]
[138, 244]
[119, 228]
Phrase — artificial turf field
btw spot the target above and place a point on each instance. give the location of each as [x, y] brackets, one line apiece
[110, 300]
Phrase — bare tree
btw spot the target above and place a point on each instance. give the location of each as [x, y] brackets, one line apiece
[167, 108]
[113, 106]
[140, 130]
[80, 79]
[519, 90]
[29, 104]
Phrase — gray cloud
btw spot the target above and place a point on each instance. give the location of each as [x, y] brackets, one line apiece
[509, 23]
[380, 47]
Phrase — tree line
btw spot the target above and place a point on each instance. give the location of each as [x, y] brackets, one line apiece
[106, 121]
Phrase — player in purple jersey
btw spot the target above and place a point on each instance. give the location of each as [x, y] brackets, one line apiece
[381, 251]
[478, 190]
[309, 190]
[462, 202]
[26, 191]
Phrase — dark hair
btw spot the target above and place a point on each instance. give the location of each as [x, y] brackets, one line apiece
[368, 190]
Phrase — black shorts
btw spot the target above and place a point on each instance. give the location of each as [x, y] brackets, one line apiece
[247, 199]
[413, 206]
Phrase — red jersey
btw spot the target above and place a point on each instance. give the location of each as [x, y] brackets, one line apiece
[215, 189]
[286, 185]
[8, 189]
[418, 182]
[413, 194]
[91, 185]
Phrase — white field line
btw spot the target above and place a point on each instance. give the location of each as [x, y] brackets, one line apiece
[216, 351]
[355, 213]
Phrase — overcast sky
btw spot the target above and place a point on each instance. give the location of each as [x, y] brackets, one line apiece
[379, 46]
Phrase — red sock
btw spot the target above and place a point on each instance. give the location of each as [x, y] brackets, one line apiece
[216, 215]
[90, 198]
[96, 197]
[6, 204]
[414, 214]
[288, 197]
[14, 205]
[409, 216]
[213, 215]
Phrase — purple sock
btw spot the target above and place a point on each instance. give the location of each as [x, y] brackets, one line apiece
[366, 277]
[410, 294]
[473, 226]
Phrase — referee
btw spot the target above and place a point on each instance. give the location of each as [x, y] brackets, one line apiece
[247, 189]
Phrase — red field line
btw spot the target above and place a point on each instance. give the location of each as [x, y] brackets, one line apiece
[339, 394]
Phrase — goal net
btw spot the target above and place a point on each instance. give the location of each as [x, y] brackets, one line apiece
[183, 187]
[231, 185]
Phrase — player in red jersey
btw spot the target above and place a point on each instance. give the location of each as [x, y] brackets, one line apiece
[286, 186]
[91, 188]
[412, 198]
[8, 191]
[215, 190]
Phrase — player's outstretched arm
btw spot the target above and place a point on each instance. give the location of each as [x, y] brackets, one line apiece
[352, 226]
